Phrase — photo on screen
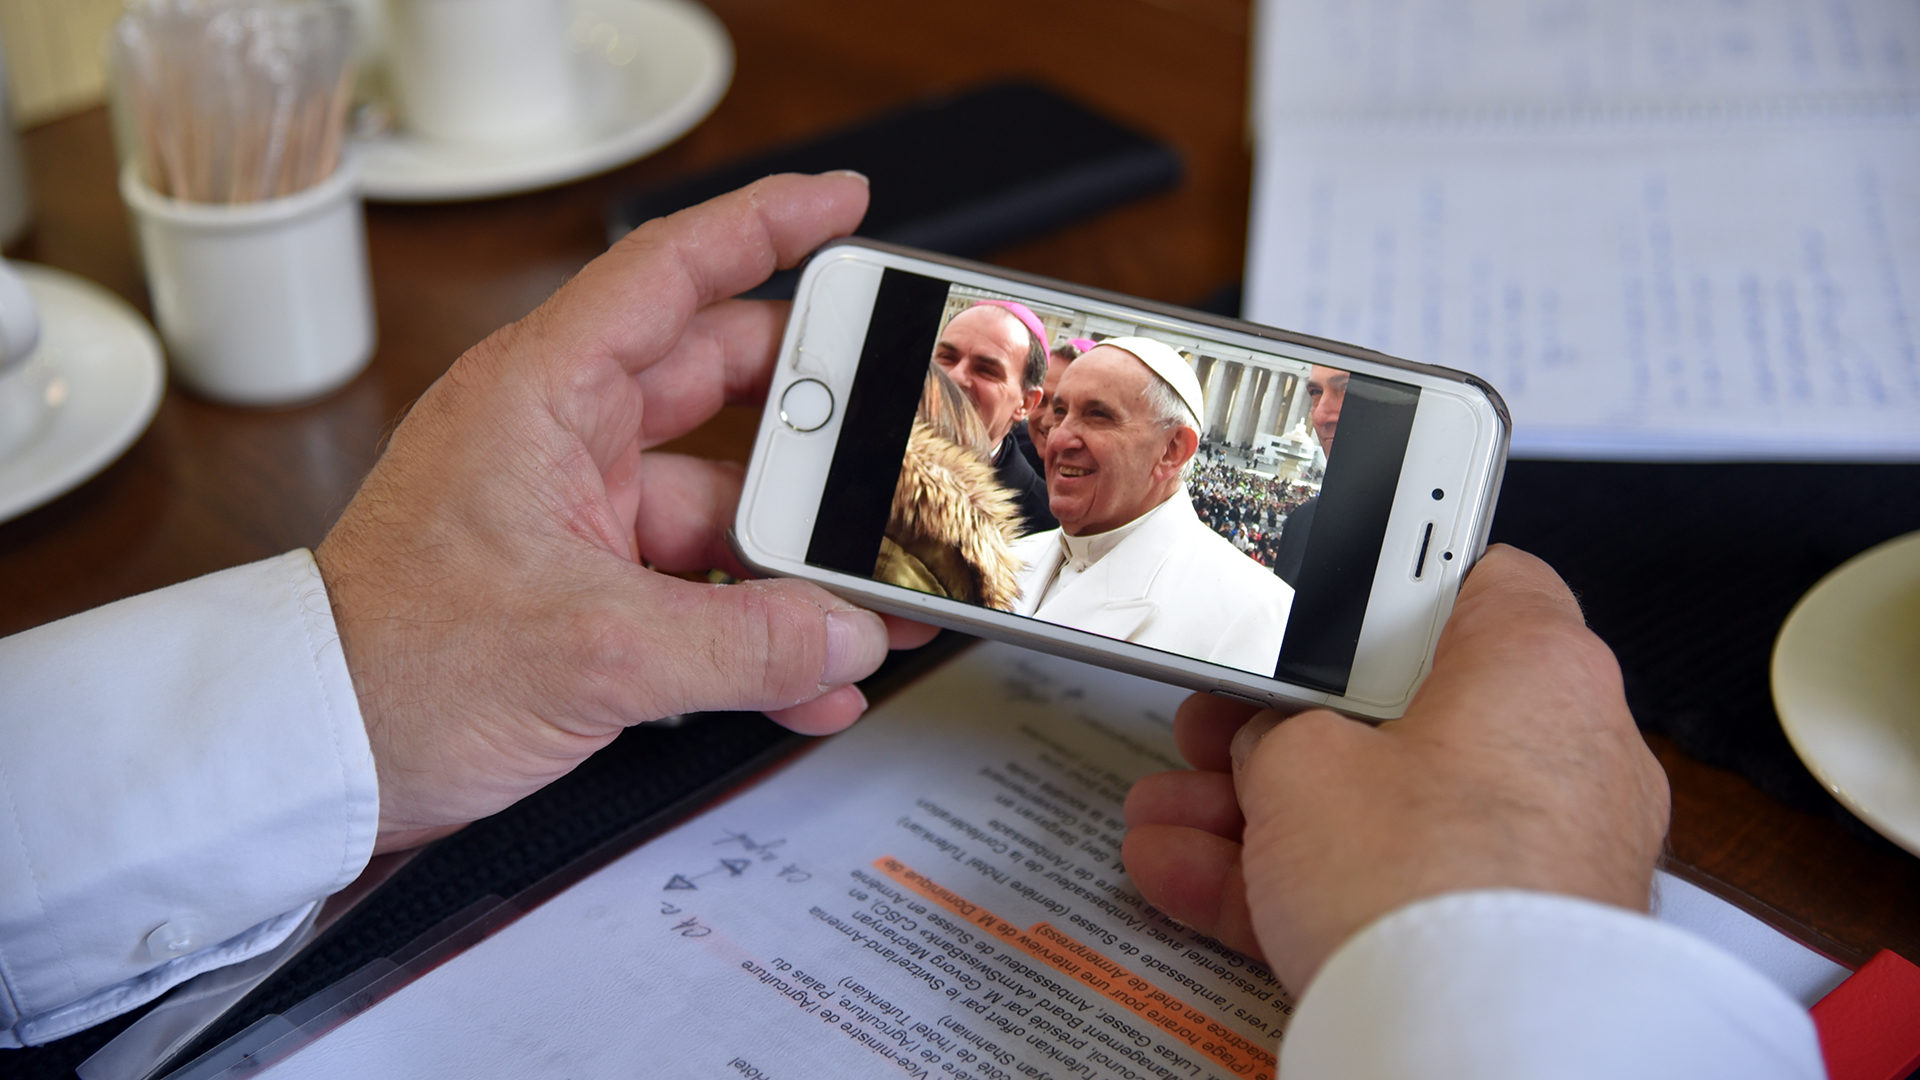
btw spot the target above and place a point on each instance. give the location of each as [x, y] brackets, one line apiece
[1105, 474]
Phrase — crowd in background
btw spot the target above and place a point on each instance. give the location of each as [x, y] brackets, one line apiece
[1246, 507]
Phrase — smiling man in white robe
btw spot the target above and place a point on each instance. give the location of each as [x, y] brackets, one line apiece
[1131, 560]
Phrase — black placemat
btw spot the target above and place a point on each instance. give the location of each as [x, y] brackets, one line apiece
[1687, 571]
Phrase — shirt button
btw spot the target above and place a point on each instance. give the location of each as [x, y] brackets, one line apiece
[175, 939]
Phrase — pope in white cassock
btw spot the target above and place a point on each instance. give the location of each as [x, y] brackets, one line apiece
[1131, 560]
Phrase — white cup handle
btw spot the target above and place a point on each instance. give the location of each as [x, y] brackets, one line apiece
[19, 318]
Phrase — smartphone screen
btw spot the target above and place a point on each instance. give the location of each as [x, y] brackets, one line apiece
[1257, 551]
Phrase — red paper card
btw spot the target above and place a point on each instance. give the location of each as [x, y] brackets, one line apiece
[1870, 1025]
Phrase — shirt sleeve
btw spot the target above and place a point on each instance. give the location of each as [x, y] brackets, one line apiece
[1515, 984]
[185, 775]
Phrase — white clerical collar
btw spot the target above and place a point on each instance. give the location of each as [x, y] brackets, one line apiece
[1084, 551]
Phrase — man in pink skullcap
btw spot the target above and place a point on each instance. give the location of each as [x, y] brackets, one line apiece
[995, 351]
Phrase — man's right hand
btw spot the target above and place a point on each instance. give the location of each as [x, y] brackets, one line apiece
[1516, 766]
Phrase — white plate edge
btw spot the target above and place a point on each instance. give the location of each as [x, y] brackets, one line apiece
[579, 163]
[1798, 736]
[78, 470]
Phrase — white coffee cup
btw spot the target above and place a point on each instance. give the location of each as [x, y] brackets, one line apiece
[16, 204]
[19, 335]
[19, 320]
[262, 303]
[482, 71]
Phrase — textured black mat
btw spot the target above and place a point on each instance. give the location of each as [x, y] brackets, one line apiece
[1688, 572]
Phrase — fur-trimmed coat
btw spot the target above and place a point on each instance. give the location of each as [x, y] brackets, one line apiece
[952, 526]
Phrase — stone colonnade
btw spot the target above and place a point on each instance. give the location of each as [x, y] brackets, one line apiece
[1244, 400]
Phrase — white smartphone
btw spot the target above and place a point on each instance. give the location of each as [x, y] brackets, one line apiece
[1208, 502]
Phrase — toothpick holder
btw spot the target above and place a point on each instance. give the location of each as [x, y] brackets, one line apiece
[261, 303]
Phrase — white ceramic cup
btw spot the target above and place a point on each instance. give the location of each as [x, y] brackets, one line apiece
[263, 303]
[19, 320]
[482, 71]
[20, 406]
[16, 205]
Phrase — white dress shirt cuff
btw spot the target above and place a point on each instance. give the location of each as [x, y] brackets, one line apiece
[1501, 984]
[186, 773]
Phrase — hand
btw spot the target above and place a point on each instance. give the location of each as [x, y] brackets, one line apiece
[1517, 765]
[488, 578]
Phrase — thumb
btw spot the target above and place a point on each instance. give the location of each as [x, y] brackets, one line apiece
[1241, 750]
[1284, 765]
[766, 645]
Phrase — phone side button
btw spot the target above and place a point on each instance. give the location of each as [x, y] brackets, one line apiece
[806, 405]
[1290, 704]
[1236, 695]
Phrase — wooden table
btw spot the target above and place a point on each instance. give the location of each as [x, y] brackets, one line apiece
[210, 486]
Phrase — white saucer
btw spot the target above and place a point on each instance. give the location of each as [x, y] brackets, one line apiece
[1846, 683]
[647, 71]
[84, 395]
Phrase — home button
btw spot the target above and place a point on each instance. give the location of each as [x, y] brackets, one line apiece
[806, 405]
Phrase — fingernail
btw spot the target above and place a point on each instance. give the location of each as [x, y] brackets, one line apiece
[1249, 735]
[862, 177]
[856, 643]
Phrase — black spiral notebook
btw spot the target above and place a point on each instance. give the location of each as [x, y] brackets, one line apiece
[962, 174]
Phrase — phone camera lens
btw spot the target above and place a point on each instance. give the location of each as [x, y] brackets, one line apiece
[1438, 494]
[1447, 556]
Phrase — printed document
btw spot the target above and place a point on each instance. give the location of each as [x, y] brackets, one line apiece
[936, 892]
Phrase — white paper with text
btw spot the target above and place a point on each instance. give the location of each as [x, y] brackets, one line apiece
[936, 893]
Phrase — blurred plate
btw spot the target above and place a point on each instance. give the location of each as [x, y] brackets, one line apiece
[647, 71]
[1846, 682]
[84, 395]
